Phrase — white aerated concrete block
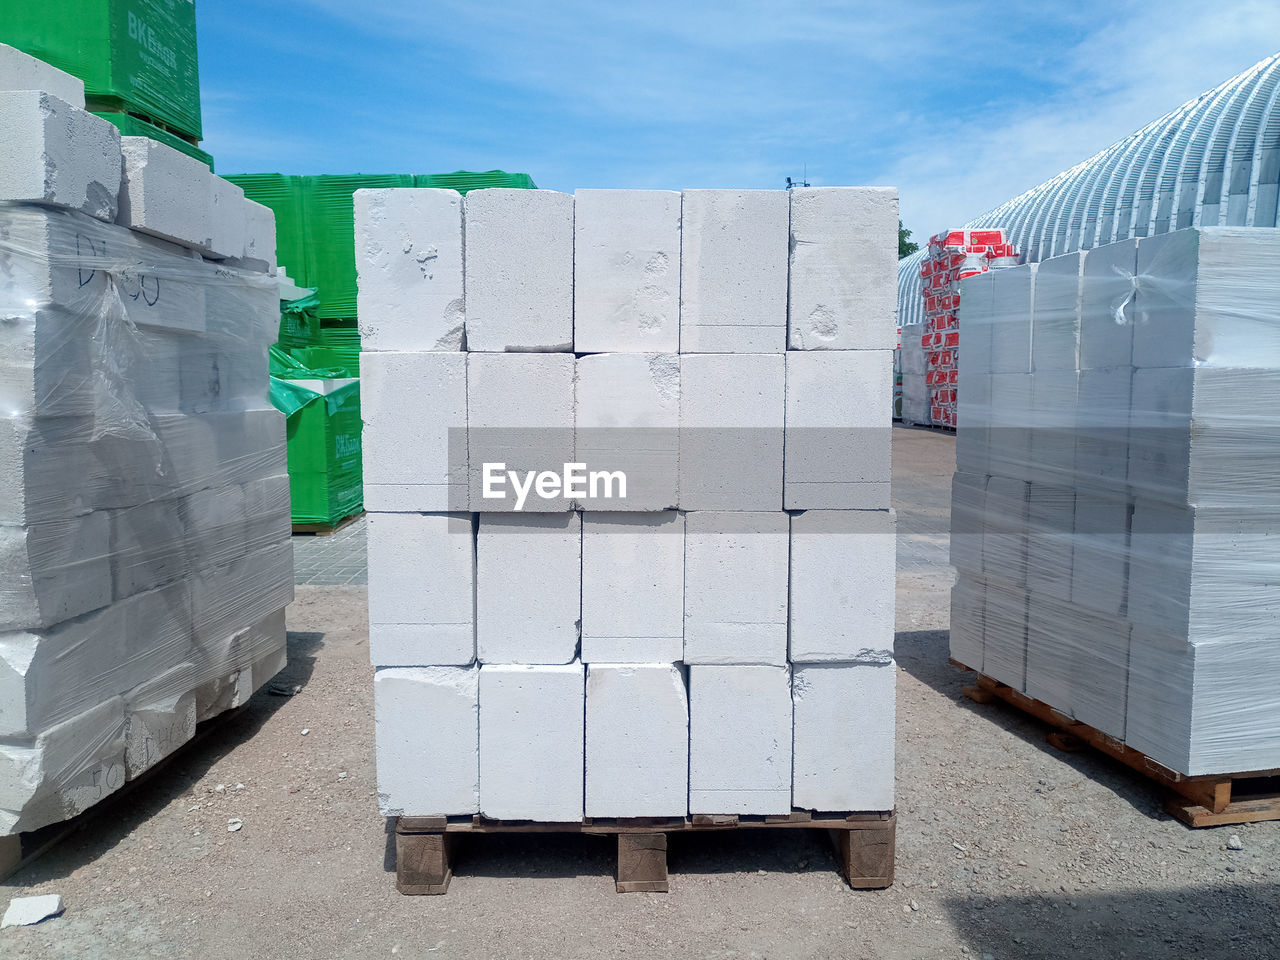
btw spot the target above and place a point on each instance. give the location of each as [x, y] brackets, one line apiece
[733, 271]
[43, 464]
[427, 728]
[409, 261]
[520, 426]
[626, 263]
[64, 771]
[1100, 551]
[844, 728]
[166, 193]
[1012, 295]
[1107, 292]
[531, 742]
[632, 587]
[1004, 534]
[968, 520]
[415, 431]
[259, 248]
[150, 546]
[528, 587]
[519, 269]
[627, 420]
[1011, 424]
[1102, 426]
[740, 740]
[421, 589]
[1004, 643]
[1051, 518]
[58, 154]
[226, 219]
[637, 742]
[1053, 421]
[49, 676]
[20, 71]
[732, 410]
[735, 587]
[1187, 703]
[52, 571]
[837, 430]
[844, 268]
[842, 588]
[968, 613]
[1078, 661]
[1193, 305]
[1055, 323]
[160, 716]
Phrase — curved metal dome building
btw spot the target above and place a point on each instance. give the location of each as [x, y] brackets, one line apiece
[1215, 161]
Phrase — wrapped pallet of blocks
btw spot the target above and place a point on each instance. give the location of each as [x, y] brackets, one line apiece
[630, 543]
[144, 521]
[1115, 495]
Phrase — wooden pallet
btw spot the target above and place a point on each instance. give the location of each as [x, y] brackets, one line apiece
[864, 845]
[1204, 801]
[327, 529]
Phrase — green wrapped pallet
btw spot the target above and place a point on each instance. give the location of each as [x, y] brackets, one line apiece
[134, 56]
[465, 180]
[130, 126]
[323, 426]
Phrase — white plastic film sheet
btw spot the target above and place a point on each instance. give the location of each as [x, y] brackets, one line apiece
[144, 504]
[1116, 510]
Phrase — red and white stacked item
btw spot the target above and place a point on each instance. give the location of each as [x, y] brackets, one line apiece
[951, 257]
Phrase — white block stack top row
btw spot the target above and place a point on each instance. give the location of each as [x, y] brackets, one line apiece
[1114, 504]
[144, 504]
[719, 637]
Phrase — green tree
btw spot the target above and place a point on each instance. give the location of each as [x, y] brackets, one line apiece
[905, 246]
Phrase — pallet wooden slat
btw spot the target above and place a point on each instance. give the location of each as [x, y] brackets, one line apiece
[864, 843]
[327, 529]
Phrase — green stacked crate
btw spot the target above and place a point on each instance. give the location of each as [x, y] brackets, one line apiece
[323, 428]
[134, 56]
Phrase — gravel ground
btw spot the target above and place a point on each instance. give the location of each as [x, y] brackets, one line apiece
[1006, 847]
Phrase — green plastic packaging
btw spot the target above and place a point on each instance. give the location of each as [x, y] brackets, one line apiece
[131, 126]
[465, 180]
[134, 56]
[326, 471]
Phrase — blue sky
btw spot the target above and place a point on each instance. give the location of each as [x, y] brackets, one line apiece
[961, 105]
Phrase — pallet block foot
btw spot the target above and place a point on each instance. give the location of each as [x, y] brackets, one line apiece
[642, 863]
[422, 863]
[979, 694]
[866, 853]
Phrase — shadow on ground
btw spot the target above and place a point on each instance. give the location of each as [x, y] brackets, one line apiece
[106, 824]
[924, 654]
[1199, 921]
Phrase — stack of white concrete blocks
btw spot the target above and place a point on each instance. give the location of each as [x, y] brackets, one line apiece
[1114, 508]
[720, 639]
[915, 389]
[144, 506]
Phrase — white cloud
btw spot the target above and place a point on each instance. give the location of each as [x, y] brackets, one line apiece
[1140, 63]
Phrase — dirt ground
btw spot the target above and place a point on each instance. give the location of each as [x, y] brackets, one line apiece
[1006, 847]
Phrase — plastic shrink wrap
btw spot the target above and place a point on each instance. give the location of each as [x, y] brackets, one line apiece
[144, 504]
[1116, 506]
